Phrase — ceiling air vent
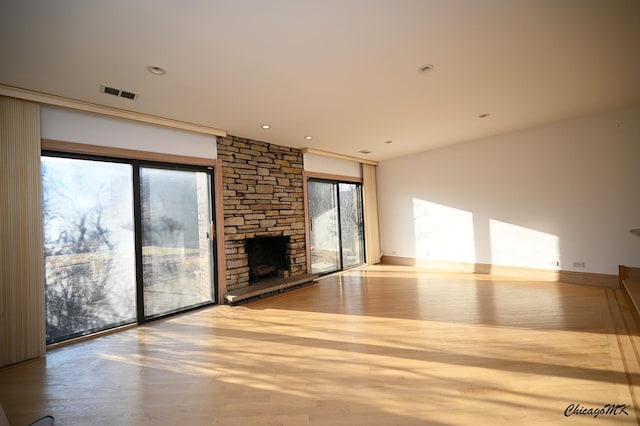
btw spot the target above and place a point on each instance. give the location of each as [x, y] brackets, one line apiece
[128, 95]
[117, 92]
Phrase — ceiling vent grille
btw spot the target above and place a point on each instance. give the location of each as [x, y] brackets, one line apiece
[118, 92]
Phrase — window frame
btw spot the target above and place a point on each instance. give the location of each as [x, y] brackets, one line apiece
[138, 159]
[333, 179]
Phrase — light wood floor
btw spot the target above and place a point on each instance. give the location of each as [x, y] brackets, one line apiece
[384, 345]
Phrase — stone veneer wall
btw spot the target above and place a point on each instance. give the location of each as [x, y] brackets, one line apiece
[263, 196]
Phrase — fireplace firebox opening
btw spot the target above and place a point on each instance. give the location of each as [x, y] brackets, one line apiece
[267, 257]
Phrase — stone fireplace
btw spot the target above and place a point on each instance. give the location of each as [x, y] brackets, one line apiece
[263, 203]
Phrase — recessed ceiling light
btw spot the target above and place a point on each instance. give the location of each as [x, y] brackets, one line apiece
[153, 69]
[308, 138]
[265, 126]
[485, 115]
[425, 68]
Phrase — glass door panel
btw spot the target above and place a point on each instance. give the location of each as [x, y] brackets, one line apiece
[90, 279]
[177, 247]
[351, 224]
[324, 227]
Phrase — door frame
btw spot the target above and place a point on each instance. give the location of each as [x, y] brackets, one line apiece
[307, 175]
[138, 165]
[137, 158]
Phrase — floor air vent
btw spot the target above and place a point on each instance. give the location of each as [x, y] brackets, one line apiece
[117, 92]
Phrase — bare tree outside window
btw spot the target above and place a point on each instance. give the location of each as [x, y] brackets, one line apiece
[89, 267]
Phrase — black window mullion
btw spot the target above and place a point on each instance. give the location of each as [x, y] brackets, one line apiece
[137, 218]
[213, 240]
[362, 227]
[339, 209]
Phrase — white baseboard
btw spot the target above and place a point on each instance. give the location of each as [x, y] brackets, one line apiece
[551, 275]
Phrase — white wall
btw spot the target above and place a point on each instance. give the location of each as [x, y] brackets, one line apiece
[330, 165]
[567, 192]
[83, 127]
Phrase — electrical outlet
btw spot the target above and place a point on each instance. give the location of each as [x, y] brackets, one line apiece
[579, 265]
[554, 263]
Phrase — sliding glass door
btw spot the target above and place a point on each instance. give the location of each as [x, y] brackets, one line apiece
[324, 227]
[177, 247]
[125, 241]
[351, 224]
[88, 246]
[336, 226]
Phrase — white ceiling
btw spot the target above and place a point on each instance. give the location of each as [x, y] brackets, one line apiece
[342, 71]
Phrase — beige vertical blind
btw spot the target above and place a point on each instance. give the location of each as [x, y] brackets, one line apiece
[372, 234]
[22, 311]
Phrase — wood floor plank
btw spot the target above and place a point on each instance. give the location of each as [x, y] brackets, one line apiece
[377, 346]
